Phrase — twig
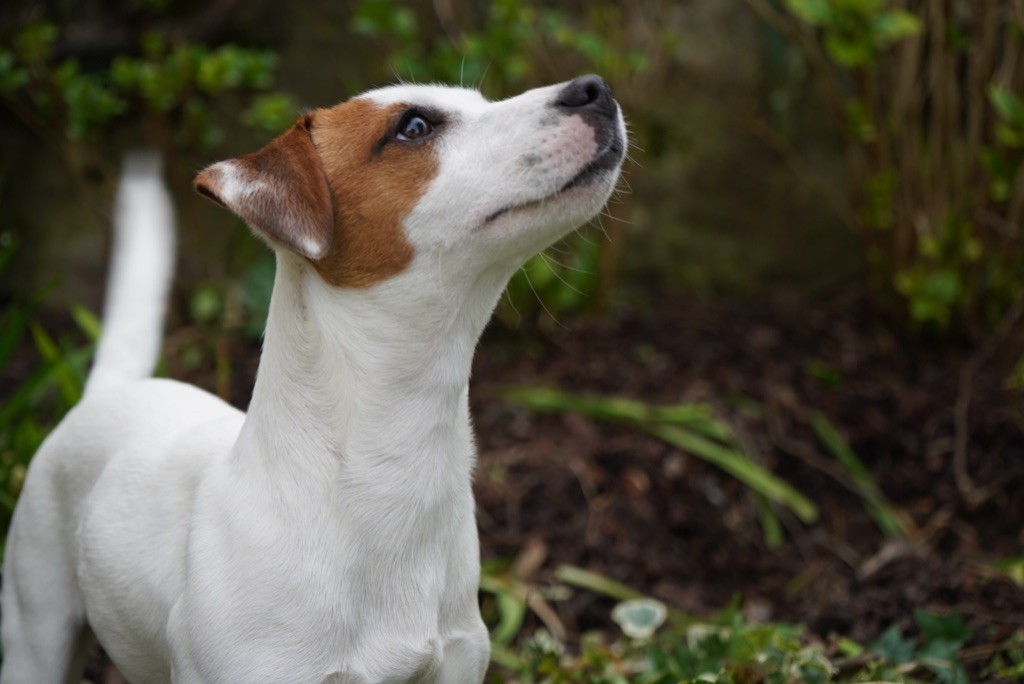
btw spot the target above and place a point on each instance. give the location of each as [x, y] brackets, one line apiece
[972, 494]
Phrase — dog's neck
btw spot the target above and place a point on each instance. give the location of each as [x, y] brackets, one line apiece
[365, 389]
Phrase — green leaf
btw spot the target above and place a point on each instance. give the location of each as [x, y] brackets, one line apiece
[885, 516]
[14, 323]
[1012, 567]
[12, 77]
[511, 613]
[70, 389]
[771, 526]
[726, 456]
[814, 12]
[272, 113]
[34, 43]
[599, 584]
[742, 468]
[850, 52]
[943, 285]
[896, 25]
[90, 104]
[893, 646]
[206, 305]
[1007, 105]
[125, 73]
[87, 322]
[948, 629]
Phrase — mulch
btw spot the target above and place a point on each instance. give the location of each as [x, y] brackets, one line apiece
[624, 504]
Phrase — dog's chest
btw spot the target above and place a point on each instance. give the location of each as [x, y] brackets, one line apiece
[334, 604]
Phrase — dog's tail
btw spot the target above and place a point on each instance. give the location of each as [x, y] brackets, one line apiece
[140, 274]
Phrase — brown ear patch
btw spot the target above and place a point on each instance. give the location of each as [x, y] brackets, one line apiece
[372, 190]
[280, 191]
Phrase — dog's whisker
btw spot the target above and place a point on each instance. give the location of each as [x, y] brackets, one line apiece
[540, 301]
[569, 267]
[600, 226]
[480, 83]
[613, 217]
[515, 309]
[554, 266]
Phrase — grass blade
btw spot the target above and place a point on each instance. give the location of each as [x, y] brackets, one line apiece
[70, 388]
[770, 524]
[24, 394]
[15, 322]
[87, 322]
[889, 520]
[599, 584]
[691, 427]
[741, 467]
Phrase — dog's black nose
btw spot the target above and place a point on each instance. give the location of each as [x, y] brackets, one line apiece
[586, 94]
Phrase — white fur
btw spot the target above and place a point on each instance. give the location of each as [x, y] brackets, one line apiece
[137, 294]
[328, 535]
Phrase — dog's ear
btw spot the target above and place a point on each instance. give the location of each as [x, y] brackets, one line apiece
[281, 191]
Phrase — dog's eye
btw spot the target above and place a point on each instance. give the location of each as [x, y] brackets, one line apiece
[413, 127]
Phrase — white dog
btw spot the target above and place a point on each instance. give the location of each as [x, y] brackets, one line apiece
[327, 535]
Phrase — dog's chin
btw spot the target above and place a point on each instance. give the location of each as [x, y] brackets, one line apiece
[594, 181]
[532, 228]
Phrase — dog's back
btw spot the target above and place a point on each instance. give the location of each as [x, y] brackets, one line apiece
[125, 418]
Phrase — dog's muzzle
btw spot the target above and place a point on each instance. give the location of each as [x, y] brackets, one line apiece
[590, 98]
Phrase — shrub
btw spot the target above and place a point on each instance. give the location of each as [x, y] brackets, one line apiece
[926, 101]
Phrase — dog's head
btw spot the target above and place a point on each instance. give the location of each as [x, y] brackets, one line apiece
[409, 177]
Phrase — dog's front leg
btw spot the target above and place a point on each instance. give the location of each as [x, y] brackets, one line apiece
[465, 657]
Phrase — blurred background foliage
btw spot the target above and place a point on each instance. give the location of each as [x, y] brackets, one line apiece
[770, 164]
[790, 146]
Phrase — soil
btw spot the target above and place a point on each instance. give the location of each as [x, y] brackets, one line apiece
[616, 501]
[566, 489]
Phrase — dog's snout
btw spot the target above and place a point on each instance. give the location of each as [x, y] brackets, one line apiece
[586, 94]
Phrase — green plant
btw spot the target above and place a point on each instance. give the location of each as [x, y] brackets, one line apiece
[158, 86]
[1008, 665]
[926, 99]
[508, 597]
[890, 521]
[942, 636]
[39, 400]
[171, 86]
[729, 650]
[691, 427]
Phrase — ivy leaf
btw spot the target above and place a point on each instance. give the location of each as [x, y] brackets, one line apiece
[814, 12]
[947, 630]
[893, 646]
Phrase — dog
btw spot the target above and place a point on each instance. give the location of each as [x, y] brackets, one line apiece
[328, 534]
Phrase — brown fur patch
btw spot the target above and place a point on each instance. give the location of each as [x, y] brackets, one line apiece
[288, 199]
[372, 191]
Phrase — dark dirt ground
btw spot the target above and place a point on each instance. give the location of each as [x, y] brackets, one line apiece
[615, 501]
[627, 505]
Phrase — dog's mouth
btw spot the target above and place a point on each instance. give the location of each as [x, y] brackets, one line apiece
[605, 160]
